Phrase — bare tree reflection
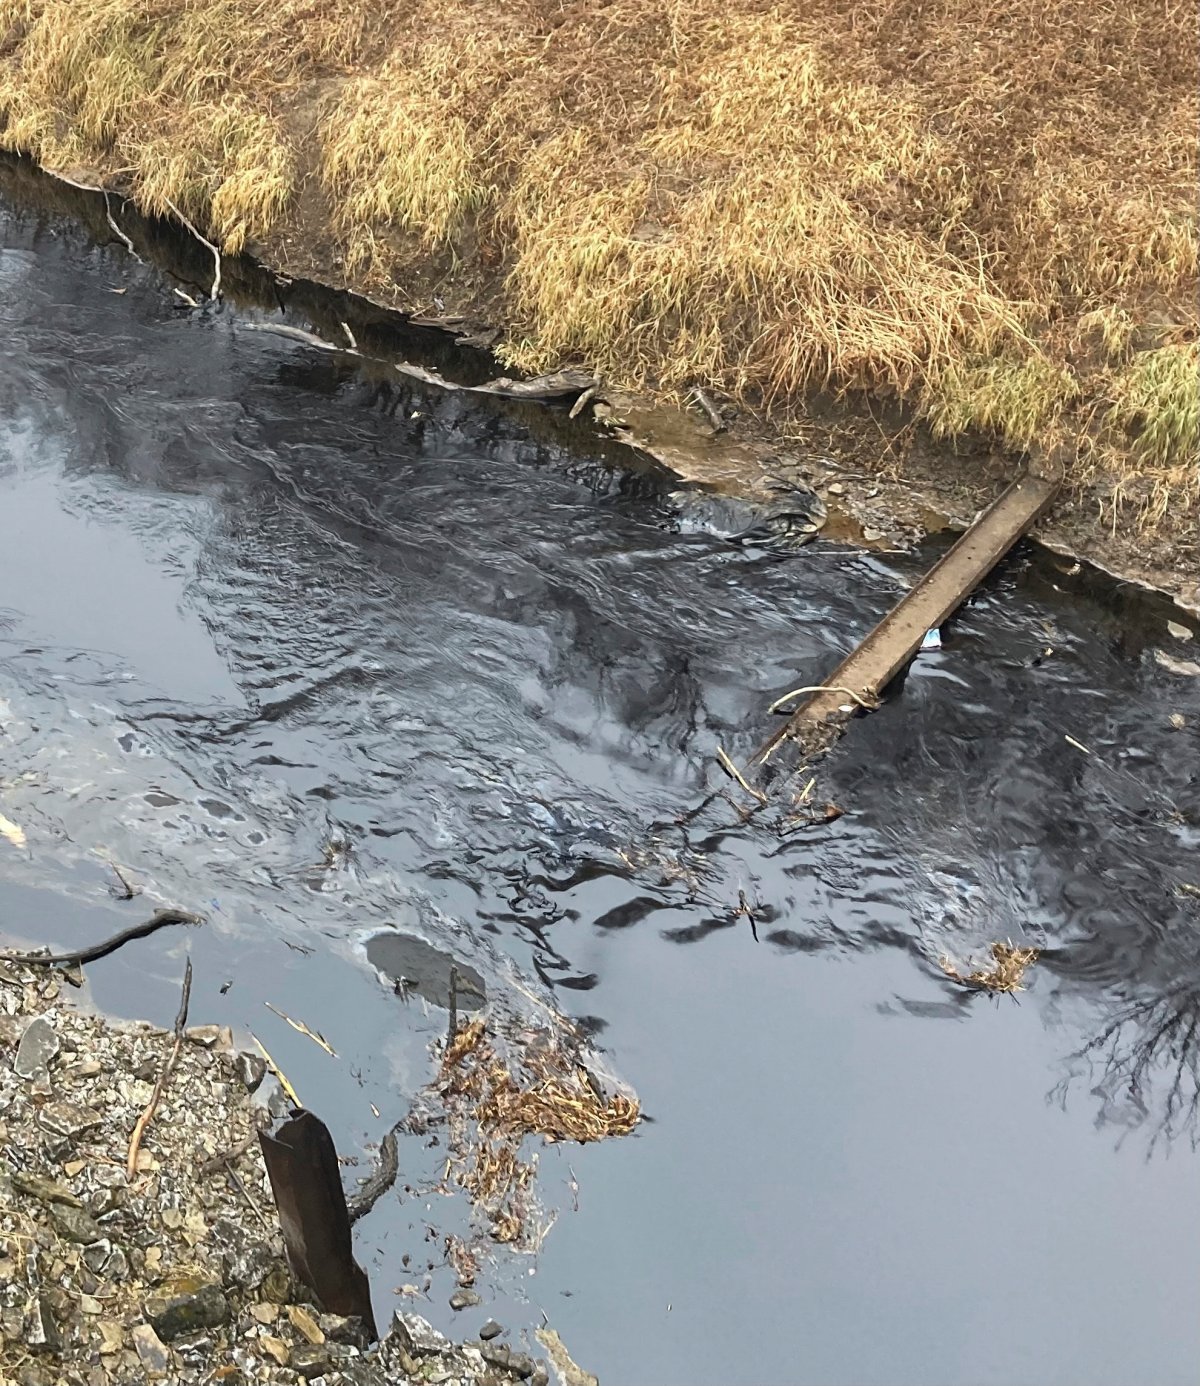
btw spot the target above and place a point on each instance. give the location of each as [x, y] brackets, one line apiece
[1144, 1066]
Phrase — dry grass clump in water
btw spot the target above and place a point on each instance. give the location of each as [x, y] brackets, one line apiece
[977, 207]
[1006, 974]
[493, 1109]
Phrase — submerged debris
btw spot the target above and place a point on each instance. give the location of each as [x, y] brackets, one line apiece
[1006, 974]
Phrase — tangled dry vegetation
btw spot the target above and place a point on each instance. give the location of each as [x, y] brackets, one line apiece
[1006, 974]
[988, 209]
[493, 1107]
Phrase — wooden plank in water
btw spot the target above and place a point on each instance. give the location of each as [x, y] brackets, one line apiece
[889, 647]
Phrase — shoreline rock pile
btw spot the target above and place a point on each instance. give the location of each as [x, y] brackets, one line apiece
[178, 1274]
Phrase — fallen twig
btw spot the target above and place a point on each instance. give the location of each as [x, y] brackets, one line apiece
[728, 766]
[158, 920]
[581, 403]
[284, 329]
[128, 889]
[303, 1029]
[382, 1180]
[822, 688]
[345, 326]
[216, 254]
[228, 1157]
[293, 1096]
[709, 408]
[543, 387]
[146, 1117]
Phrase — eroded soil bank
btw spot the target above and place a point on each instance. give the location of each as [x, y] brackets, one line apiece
[886, 481]
[989, 215]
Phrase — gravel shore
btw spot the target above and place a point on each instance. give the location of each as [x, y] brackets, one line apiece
[178, 1274]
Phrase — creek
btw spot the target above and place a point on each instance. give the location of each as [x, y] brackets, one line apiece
[320, 651]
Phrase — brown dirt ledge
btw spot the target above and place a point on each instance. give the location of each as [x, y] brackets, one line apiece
[867, 228]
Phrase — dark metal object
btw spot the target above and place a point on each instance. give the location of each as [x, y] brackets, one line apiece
[303, 1168]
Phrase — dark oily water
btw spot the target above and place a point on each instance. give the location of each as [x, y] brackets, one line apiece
[320, 654]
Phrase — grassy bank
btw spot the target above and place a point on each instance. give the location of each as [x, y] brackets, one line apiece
[988, 210]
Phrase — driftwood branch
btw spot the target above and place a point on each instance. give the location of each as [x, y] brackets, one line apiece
[121, 236]
[384, 1177]
[158, 920]
[709, 409]
[581, 403]
[128, 889]
[556, 385]
[216, 254]
[135, 1141]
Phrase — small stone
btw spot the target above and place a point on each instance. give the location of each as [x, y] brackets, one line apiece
[1180, 632]
[518, 1363]
[87, 1068]
[172, 1219]
[67, 1119]
[38, 1186]
[12, 1027]
[74, 1167]
[112, 1336]
[277, 1285]
[116, 1266]
[835, 488]
[871, 534]
[41, 1332]
[250, 1069]
[464, 1299]
[311, 1360]
[541, 1375]
[304, 1324]
[154, 1354]
[275, 1348]
[186, 1306]
[34, 1374]
[264, 1313]
[208, 1036]
[246, 1262]
[416, 1336]
[39, 1045]
[1178, 721]
[351, 1331]
[75, 1225]
[490, 1330]
[89, 1304]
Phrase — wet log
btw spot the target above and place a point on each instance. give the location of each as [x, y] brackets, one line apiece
[303, 1169]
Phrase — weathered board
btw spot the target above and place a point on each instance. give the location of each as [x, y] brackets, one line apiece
[867, 671]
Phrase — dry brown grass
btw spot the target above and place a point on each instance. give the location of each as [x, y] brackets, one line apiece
[982, 208]
[1006, 974]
